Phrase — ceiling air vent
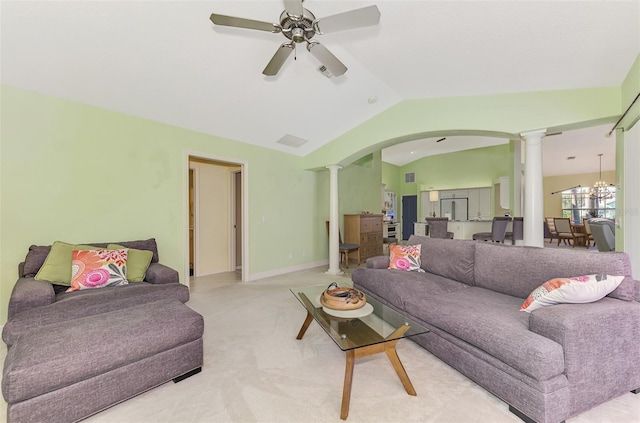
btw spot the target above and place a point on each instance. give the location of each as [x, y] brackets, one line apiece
[291, 141]
[409, 178]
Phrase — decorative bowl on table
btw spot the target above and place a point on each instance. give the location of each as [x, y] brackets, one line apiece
[341, 298]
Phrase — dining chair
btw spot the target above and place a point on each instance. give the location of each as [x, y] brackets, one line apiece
[438, 227]
[551, 228]
[498, 230]
[517, 231]
[604, 234]
[566, 231]
[345, 249]
[587, 231]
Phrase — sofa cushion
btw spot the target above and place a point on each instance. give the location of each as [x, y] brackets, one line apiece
[581, 289]
[501, 268]
[70, 306]
[436, 257]
[98, 269]
[493, 323]
[395, 286]
[138, 262]
[68, 354]
[405, 257]
[143, 244]
[57, 266]
[37, 254]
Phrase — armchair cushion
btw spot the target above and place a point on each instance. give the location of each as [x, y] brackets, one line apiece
[138, 262]
[57, 265]
[98, 269]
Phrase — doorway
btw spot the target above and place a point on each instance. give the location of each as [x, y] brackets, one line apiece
[216, 216]
[409, 214]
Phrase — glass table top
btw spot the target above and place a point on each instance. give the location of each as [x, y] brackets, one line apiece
[382, 324]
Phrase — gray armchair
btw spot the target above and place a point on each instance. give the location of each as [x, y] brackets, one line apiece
[604, 234]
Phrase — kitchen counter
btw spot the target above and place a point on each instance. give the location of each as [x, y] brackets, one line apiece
[462, 229]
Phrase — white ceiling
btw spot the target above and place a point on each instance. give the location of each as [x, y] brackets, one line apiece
[166, 61]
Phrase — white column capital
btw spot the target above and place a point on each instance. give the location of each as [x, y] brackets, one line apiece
[538, 133]
[334, 167]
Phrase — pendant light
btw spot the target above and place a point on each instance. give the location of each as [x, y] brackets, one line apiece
[600, 189]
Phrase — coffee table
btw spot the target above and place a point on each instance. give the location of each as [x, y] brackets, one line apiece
[360, 336]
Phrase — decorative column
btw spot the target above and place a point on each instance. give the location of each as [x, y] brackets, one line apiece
[334, 222]
[533, 199]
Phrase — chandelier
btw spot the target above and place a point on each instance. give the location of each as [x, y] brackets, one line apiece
[600, 189]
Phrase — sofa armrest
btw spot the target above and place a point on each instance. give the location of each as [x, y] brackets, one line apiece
[159, 273]
[601, 341]
[29, 293]
[378, 262]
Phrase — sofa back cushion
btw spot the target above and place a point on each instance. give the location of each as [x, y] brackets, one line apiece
[451, 258]
[38, 253]
[518, 270]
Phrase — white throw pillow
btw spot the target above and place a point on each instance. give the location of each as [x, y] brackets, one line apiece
[580, 289]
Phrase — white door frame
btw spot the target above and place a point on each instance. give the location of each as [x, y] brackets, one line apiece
[234, 223]
[196, 220]
[244, 168]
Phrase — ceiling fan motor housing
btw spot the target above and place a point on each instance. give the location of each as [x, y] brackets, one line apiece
[298, 29]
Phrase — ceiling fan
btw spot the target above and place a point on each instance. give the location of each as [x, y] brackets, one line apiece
[300, 25]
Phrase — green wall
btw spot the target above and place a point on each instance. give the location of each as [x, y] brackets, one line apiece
[81, 174]
[480, 167]
[77, 173]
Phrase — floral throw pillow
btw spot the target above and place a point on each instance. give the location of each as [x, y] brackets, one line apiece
[580, 289]
[405, 257]
[98, 269]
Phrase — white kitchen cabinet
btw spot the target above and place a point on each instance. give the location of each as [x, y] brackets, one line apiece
[484, 203]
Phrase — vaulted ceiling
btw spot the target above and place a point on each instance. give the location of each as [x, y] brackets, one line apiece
[166, 61]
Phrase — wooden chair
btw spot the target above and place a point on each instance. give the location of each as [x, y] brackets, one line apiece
[345, 249]
[551, 228]
[565, 230]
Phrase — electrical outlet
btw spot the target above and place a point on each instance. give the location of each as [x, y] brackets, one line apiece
[290, 256]
[304, 253]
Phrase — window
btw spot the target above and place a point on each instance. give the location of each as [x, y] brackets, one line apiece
[578, 203]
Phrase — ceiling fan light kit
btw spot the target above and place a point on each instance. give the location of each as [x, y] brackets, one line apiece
[299, 25]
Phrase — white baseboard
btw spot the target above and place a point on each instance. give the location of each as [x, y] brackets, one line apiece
[285, 270]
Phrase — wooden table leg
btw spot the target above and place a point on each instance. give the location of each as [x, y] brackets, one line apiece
[305, 326]
[348, 379]
[392, 354]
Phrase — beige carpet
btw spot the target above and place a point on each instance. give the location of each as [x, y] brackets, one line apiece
[256, 371]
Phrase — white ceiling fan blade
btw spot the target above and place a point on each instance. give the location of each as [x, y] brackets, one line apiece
[331, 62]
[293, 7]
[224, 20]
[278, 59]
[357, 18]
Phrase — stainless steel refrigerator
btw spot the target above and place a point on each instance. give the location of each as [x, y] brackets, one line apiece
[455, 208]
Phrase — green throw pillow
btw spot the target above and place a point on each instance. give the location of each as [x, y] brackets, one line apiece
[137, 262]
[57, 265]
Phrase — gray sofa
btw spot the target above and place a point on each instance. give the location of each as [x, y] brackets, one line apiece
[548, 365]
[112, 342]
